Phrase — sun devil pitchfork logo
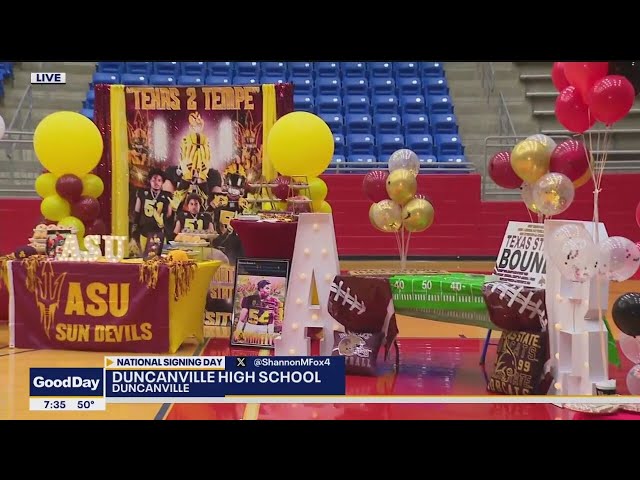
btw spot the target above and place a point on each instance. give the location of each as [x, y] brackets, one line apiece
[47, 293]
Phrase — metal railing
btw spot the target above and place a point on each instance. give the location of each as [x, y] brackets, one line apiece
[492, 94]
[452, 168]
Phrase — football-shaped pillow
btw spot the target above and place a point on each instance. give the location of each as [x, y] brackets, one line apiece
[514, 307]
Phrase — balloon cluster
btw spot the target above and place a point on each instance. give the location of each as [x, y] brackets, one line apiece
[397, 207]
[579, 258]
[69, 146]
[300, 144]
[547, 173]
[593, 91]
[626, 316]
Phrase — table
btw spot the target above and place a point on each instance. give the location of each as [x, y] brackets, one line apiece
[104, 307]
[274, 240]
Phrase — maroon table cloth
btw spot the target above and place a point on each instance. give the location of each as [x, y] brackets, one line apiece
[266, 239]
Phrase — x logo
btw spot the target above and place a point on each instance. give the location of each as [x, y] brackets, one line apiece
[241, 362]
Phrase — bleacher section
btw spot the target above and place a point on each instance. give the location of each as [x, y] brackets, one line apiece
[6, 72]
[373, 108]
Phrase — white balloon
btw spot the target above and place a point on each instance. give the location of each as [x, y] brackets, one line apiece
[547, 141]
[619, 259]
[404, 158]
[3, 127]
[630, 347]
[633, 380]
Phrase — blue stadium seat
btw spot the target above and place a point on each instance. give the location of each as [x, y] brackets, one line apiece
[422, 144]
[381, 69]
[302, 85]
[329, 104]
[354, 69]
[355, 86]
[328, 86]
[133, 79]
[162, 80]
[274, 69]
[412, 104]
[439, 104]
[415, 123]
[389, 143]
[358, 123]
[241, 80]
[197, 69]
[89, 100]
[217, 80]
[407, 69]
[357, 104]
[327, 69]
[383, 86]
[87, 112]
[428, 161]
[300, 69]
[444, 123]
[360, 144]
[141, 68]
[275, 79]
[303, 103]
[409, 86]
[220, 69]
[449, 144]
[384, 158]
[111, 67]
[247, 69]
[435, 86]
[336, 162]
[432, 69]
[385, 104]
[387, 123]
[169, 69]
[335, 122]
[338, 144]
[453, 161]
[189, 80]
[360, 161]
[105, 78]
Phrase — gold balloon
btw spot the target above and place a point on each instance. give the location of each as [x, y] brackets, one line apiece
[553, 193]
[386, 216]
[527, 198]
[586, 177]
[401, 186]
[530, 160]
[417, 215]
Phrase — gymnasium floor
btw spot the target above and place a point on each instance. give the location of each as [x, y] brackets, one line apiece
[437, 359]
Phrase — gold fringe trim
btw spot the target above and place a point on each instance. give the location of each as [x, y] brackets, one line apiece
[184, 273]
[4, 260]
[32, 265]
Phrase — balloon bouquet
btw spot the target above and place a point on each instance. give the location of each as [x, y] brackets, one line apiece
[626, 316]
[69, 146]
[300, 144]
[397, 207]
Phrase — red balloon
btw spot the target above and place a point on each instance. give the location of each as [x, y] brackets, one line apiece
[86, 209]
[572, 112]
[501, 171]
[69, 187]
[374, 185]
[558, 77]
[570, 158]
[281, 189]
[583, 75]
[611, 98]
[97, 227]
[638, 215]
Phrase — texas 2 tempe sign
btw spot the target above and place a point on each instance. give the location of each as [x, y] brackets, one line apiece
[97, 306]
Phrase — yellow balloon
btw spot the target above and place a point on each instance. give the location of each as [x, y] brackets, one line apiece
[55, 208]
[73, 223]
[68, 142]
[401, 186]
[317, 190]
[300, 143]
[46, 184]
[92, 186]
[324, 208]
[417, 215]
[530, 160]
[386, 216]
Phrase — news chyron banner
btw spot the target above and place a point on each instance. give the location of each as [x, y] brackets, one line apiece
[184, 380]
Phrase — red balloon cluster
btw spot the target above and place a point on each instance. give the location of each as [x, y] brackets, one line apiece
[83, 207]
[589, 94]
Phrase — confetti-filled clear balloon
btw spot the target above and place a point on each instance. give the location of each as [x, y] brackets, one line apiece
[404, 159]
[553, 193]
[526, 190]
[547, 141]
[386, 216]
[576, 258]
[633, 380]
[565, 232]
[619, 259]
[630, 347]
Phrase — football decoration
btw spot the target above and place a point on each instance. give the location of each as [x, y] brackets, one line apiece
[515, 307]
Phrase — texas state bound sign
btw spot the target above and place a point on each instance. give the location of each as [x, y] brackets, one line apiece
[90, 306]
